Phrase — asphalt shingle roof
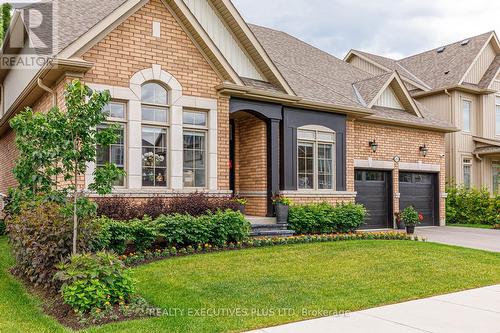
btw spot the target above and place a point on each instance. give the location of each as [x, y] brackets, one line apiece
[318, 76]
[436, 70]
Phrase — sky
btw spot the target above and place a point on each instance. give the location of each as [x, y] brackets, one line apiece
[393, 28]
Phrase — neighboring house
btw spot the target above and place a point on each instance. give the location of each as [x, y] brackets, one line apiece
[458, 83]
[209, 103]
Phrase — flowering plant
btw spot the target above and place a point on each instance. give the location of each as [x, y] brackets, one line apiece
[411, 217]
[280, 199]
[151, 159]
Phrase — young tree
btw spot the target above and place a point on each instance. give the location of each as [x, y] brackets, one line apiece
[56, 147]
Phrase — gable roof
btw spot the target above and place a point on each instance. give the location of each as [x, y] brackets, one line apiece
[432, 68]
[318, 76]
[448, 67]
[299, 70]
[388, 65]
[491, 73]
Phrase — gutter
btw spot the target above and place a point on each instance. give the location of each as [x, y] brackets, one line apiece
[289, 100]
[47, 89]
[62, 65]
[458, 87]
[401, 123]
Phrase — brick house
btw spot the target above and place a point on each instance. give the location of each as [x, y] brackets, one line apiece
[458, 83]
[210, 103]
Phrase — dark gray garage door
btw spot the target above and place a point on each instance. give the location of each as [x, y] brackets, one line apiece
[419, 190]
[374, 192]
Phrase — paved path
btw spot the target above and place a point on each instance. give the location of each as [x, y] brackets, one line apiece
[472, 311]
[483, 239]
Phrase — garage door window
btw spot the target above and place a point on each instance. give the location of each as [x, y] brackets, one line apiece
[315, 159]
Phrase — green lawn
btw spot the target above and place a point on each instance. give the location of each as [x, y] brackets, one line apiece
[465, 225]
[323, 276]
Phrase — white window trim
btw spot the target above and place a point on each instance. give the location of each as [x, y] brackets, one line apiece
[316, 142]
[178, 101]
[471, 123]
[464, 163]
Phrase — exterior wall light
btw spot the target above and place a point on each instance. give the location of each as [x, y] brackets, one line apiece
[424, 150]
[373, 145]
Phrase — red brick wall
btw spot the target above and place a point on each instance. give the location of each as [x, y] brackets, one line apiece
[396, 141]
[251, 163]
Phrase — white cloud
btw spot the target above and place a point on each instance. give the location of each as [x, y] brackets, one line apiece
[387, 27]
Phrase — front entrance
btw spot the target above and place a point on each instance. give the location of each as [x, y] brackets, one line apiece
[420, 191]
[374, 188]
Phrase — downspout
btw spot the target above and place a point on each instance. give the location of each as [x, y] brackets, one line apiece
[47, 89]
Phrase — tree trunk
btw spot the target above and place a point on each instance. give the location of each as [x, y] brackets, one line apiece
[75, 223]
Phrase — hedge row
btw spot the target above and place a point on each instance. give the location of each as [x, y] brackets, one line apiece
[472, 206]
[324, 218]
[137, 258]
[173, 230]
[195, 204]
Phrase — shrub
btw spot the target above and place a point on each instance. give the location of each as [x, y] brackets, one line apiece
[410, 216]
[349, 217]
[471, 206]
[40, 237]
[2, 227]
[92, 281]
[194, 204]
[176, 230]
[325, 218]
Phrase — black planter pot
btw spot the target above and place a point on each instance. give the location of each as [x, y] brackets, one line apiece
[241, 208]
[400, 225]
[410, 229]
[281, 213]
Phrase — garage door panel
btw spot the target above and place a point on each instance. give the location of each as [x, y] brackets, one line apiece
[372, 188]
[418, 190]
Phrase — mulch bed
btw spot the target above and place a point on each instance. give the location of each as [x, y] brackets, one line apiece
[54, 306]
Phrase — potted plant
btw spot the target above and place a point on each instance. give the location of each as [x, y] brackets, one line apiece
[411, 218]
[241, 202]
[281, 207]
[399, 222]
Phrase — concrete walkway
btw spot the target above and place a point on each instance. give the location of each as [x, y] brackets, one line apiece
[482, 239]
[472, 311]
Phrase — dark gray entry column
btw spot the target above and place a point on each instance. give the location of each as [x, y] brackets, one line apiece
[273, 164]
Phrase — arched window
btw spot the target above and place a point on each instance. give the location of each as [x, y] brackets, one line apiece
[155, 109]
[315, 158]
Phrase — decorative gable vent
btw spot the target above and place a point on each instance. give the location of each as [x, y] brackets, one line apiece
[441, 49]
[465, 42]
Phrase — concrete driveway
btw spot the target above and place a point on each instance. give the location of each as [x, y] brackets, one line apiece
[476, 310]
[482, 239]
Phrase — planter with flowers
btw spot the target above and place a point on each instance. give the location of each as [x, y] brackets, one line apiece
[411, 218]
[281, 208]
[241, 202]
[399, 223]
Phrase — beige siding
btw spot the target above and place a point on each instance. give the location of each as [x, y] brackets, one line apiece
[481, 65]
[366, 66]
[488, 119]
[223, 39]
[388, 99]
[439, 105]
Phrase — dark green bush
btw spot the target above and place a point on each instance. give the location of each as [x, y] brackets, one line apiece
[2, 227]
[471, 206]
[40, 237]
[325, 218]
[176, 230]
[91, 281]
